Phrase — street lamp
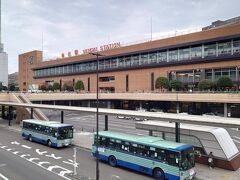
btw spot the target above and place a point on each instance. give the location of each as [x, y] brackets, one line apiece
[97, 106]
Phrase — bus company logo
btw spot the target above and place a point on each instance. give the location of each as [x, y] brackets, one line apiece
[102, 48]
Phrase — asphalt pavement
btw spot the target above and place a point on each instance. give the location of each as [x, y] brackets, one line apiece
[23, 160]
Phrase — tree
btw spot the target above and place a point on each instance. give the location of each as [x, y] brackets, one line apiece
[205, 85]
[162, 83]
[43, 87]
[67, 87]
[12, 87]
[224, 82]
[2, 87]
[56, 86]
[50, 87]
[79, 85]
[176, 84]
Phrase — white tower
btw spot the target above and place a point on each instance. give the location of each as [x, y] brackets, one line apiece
[3, 58]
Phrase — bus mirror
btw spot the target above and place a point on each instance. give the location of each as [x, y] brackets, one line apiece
[176, 160]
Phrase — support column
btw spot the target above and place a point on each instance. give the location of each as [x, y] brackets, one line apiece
[225, 110]
[3, 112]
[106, 123]
[70, 103]
[177, 131]
[31, 113]
[163, 135]
[9, 115]
[177, 107]
[62, 117]
[150, 132]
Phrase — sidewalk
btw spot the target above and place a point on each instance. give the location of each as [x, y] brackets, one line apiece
[85, 139]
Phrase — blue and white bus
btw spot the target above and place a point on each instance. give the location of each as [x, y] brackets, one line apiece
[146, 154]
[51, 133]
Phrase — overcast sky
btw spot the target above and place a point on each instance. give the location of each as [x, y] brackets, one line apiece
[79, 24]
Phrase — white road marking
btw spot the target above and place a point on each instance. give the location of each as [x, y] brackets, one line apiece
[53, 156]
[15, 142]
[32, 159]
[40, 153]
[16, 152]
[25, 155]
[50, 168]
[3, 177]
[9, 149]
[41, 163]
[71, 163]
[236, 141]
[66, 171]
[236, 137]
[27, 147]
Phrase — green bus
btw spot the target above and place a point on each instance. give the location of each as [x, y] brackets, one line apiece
[146, 154]
[51, 133]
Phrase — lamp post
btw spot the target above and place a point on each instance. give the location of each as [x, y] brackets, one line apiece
[97, 106]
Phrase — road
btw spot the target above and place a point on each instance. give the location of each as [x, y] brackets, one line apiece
[86, 122]
[24, 160]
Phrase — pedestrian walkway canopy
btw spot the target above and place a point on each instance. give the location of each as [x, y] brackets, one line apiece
[167, 117]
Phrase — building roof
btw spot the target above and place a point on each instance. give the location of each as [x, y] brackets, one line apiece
[46, 123]
[147, 140]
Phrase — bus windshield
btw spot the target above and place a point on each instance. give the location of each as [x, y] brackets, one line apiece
[187, 159]
[65, 133]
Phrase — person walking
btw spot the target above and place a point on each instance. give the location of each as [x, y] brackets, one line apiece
[210, 160]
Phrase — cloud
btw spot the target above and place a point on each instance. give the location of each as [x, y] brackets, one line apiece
[80, 24]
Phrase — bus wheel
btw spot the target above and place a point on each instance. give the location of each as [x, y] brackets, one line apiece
[158, 174]
[112, 161]
[49, 143]
[30, 137]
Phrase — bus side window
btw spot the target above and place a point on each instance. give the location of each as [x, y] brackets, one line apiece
[134, 148]
[172, 158]
[111, 143]
[102, 141]
[118, 144]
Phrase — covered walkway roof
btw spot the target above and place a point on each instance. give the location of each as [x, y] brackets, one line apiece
[168, 117]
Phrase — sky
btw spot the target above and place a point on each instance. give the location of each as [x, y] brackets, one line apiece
[58, 26]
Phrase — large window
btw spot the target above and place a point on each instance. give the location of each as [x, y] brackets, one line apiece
[224, 48]
[144, 59]
[101, 64]
[121, 62]
[210, 50]
[135, 60]
[114, 62]
[162, 56]
[152, 58]
[184, 54]
[208, 74]
[236, 47]
[127, 61]
[107, 64]
[196, 52]
[106, 78]
[173, 55]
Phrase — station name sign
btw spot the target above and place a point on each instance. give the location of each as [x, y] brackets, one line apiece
[95, 49]
[102, 48]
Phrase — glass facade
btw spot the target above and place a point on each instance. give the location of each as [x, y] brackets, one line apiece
[230, 47]
[215, 74]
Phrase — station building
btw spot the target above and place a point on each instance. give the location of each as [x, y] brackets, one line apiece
[210, 53]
